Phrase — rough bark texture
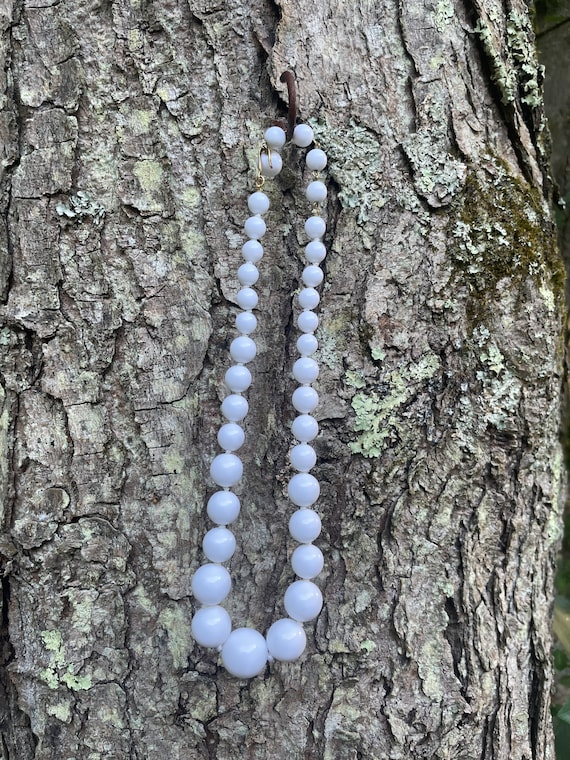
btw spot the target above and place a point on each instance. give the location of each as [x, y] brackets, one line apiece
[129, 136]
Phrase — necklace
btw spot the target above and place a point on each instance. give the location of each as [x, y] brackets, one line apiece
[245, 651]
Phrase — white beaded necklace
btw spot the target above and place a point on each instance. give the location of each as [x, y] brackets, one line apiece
[245, 651]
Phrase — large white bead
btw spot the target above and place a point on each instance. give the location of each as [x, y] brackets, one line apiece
[309, 298]
[315, 227]
[303, 489]
[315, 251]
[307, 561]
[316, 192]
[244, 653]
[231, 436]
[242, 349]
[305, 399]
[270, 167]
[303, 457]
[275, 137]
[211, 626]
[246, 322]
[226, 469]
[252, 250]
[219, 544]
[304, 525]
[302, 135]
[258, 202]
[247, 298]
[235, 407]
[307, 321]
[255, 227]
[305, 428]
[223, 507]
[307, 344]
[303, 601]
[238, 378]
[286, 640]
[248, 274]
[211, 584]
[312, 276]
[305, 370]
[316, 160]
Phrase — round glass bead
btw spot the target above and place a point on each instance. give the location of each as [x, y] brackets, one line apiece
[307, 561]
[242, 349]
[305, 428]
[305, 399]
[315, 251]
[246, 322]
[316, 192]
[219, 544]
[307, 321]
[309, 298]
[223, 507]
[305, 370]
[252, 250]
[275, 138]
[226, 469]
[211, 626]
[312, 275]
[304, 525]
[258, 202]
[302, 135]
[316, 160]
[244, 653]
[238, 378]
[211, 584]
[270, 167]
[254, 227]
[248, 274]
[303, 489]
[231, 436]
[303, 457]
[315, 227]
[247, 298]
[303, 601]
[286, 640]
[307, 344]
[235, 407]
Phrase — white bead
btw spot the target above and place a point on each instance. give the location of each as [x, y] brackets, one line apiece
[304, 525]
[307, 321]
[242, 349]
[302, 135]
[275, 138]
[252, 250]
[316, 192]
[303, 457]
[211, 626]
[303, 601]
[305, 428]
[315, 227]
[305, 399]
[271, 167]
[286, 640]
[315, 251]
[246, 322]
[231, 436]
[307, 344]
[248, 274]
[303, 489]
[312, 275]
[219, 544]
[316, 160]
[235, 407]
[309, 298]
[223, 507]
[307, 561]
[258, 203]
[244, 653]
[247, 298]
[211, 584]
[255, 227]
[226, 469]
[305, 370]
[238, 378]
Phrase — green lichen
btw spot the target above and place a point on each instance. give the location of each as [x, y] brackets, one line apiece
[52, 675]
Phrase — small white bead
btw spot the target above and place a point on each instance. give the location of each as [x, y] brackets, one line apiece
[219, 545]
[307, 561]
[247, 298]
[248, 274]
[302, 135]
[223, 507]
[286, 640]
[252, 250]
[305, 525]
[305, 370]
[275, 138]
[231, 436]
[316, 160]
[226, 470]
[305, 428]
[316, 192]
[315, 251]
[303, 457]
[258, 203]
[303, 601]
[255, 227]
[307, 344]
[312, 276]
[315, 227]
[309, 298]
[303, 489]
[235, 407]
[211, 626]
[243, 349]
[238, 378]
[305, 399]
[246, 322]
[244, 653]
[271, 168]
[307, 321]
[211, 584]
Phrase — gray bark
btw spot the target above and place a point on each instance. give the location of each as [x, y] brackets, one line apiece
[129, 145]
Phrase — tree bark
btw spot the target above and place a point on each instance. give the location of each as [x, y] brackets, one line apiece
[129, 136]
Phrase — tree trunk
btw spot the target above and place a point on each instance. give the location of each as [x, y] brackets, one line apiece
[130, 133]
